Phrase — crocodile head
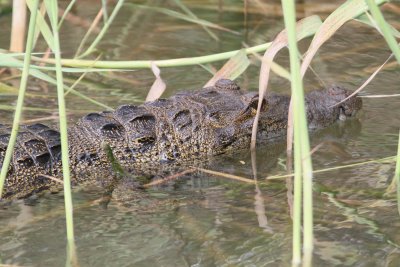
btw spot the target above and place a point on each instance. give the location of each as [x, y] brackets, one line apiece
[326, 106]
[237, 111]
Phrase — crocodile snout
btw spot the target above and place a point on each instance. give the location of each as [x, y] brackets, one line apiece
[348, 101]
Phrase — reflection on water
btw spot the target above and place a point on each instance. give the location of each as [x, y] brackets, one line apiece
[203, 220]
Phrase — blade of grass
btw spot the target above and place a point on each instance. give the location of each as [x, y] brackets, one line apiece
[76, 82]
[385, 29]
[391, 41]
[104, 8]
[181, 16]
[146, 64]
[87, 34]
[42, 26]
[366, 82]
[19, 64]
[368, 20]
[227, 175]
[18, 26]
[379, 96]
[41, 75]
[49, 79]
[158, 87]
[9, 107]
[7, 89]
[347, 11]
[387, 159]
[192, 15]
[396, 177]
[302, 162]
[161, 63]
[209, 68]
[52, 10]
[69, 7]
[42, 13]
[232, 69]
[103, 30]
[21, 95]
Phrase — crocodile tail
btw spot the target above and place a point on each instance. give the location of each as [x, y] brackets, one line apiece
[34, 161]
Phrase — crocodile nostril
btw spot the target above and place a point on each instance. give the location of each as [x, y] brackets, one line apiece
[342, 114]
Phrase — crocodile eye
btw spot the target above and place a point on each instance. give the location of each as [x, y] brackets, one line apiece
[254, 104]
[215, 116]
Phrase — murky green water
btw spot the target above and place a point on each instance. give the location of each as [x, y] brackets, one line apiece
[200, 219]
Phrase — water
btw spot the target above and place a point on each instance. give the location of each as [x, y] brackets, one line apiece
[204, 220]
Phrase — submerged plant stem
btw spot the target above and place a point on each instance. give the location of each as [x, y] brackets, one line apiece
[387, 159]
[21, 96]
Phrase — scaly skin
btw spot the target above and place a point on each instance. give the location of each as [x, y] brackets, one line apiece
[185, 127]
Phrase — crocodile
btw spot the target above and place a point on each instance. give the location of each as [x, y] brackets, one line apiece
[185, 127]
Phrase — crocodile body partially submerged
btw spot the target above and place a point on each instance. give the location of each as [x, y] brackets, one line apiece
[187, 126]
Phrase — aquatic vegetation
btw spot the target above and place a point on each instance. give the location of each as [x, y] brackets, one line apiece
[52, 66]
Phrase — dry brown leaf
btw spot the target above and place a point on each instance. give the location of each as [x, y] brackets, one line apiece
[235, 66]
[158, 87]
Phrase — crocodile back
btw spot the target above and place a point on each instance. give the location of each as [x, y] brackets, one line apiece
[186, 126]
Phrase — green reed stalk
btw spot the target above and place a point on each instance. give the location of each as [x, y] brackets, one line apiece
[146, 64]
[394, 46]
[21, 96]
[52, 9]
[397, 175]
[66, 11]
[297, 201]
[104, 7]
[385, 28]
[193, 16]
[303, 166]
[104, 29]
